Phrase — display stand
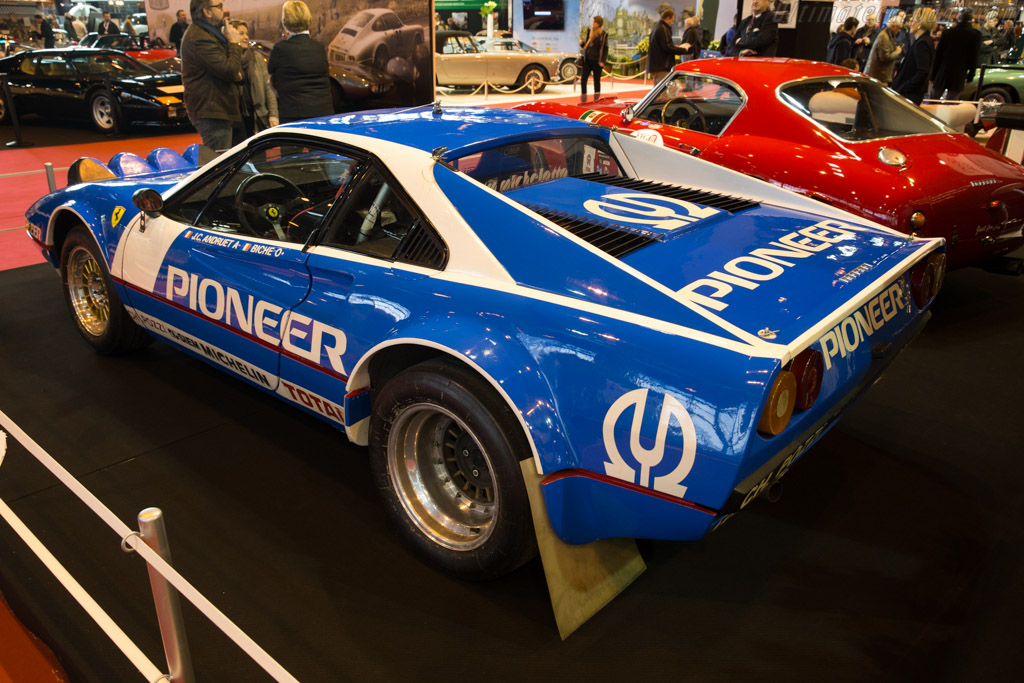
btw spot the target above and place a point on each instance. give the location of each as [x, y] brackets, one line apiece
[581, 579]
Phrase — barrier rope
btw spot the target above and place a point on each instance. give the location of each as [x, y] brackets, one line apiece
[129, 538]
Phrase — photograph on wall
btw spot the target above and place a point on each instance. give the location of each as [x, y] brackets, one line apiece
[379, 52]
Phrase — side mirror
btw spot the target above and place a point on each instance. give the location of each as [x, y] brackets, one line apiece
[628, 114]
[148, 201]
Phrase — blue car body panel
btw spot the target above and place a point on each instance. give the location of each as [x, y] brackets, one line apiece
[638, 378]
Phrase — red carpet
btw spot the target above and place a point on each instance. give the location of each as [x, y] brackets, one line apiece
[23, 181]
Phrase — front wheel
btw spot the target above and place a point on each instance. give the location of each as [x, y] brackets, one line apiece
[534, 75]
[445, 452]
[92, 300]
[104, 112]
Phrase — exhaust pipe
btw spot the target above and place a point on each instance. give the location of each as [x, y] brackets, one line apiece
[1005, 265]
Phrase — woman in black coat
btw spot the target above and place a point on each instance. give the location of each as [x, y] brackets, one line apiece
[298, 69]
[594, 48]
[912, 79]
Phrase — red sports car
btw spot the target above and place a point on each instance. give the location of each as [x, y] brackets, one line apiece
[835, 135]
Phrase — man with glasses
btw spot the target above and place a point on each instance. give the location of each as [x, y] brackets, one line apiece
[211, 64]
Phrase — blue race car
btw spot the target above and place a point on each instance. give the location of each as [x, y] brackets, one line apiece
[463, 289]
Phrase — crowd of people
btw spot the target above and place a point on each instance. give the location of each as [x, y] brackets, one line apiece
[916, 57]
[230, 92]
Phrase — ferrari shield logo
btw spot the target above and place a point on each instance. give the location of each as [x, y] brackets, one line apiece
[115, 218]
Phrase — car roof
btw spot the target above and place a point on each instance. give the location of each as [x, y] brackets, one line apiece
[462, 130]
[768, 70]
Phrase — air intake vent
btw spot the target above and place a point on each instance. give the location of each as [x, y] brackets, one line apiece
[423, 248]
[616, 240]
[718, 201]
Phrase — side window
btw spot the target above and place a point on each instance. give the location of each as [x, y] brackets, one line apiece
[279, 192]
[374, 220]
[28, 66]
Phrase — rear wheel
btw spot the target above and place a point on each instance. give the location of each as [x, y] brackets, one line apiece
[997, 94]
[380, 58]
[93, 302]
[104, 111]
[534, 75]
[4, 113]
[445, 452]
[568, 70]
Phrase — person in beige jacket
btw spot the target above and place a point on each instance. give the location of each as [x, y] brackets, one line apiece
[885, 53]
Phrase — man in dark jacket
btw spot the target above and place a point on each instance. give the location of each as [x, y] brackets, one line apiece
[758, 34]
[956, 58]
[661, 51]
[178, 30]
[44, 30]
[107, 25]
[840, 48]
[863, 39]
[211, 64]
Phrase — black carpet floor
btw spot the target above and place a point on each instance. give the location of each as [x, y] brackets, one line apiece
[895, 553]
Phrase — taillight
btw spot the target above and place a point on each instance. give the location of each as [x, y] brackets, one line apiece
[922, 283]
[781, 401]
[807, 368]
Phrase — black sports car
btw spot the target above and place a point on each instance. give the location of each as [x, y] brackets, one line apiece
[108, 87]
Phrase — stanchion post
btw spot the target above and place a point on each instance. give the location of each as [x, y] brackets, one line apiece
[13, 113]
[168, 606]
[51, 182]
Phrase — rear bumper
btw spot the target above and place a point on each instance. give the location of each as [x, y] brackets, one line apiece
[584, 506]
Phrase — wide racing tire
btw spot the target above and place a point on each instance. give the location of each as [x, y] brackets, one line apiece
[93, 302]
[445, 452]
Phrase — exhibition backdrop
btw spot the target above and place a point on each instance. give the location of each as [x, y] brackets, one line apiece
[409, 63]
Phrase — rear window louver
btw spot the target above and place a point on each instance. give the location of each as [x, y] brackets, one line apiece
[688, 194]
[615, 240]
[422, 247]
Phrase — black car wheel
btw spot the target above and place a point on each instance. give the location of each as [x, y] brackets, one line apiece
[380, 58]
[104, 111]
[445, 452]
[4, 113]
[93, 302]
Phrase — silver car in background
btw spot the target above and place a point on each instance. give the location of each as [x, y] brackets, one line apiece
[459, 61]
[567, 69]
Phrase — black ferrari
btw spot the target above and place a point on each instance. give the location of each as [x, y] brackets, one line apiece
[105, 86]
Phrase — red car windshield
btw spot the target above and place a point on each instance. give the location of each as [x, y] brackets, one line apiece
[858, 109]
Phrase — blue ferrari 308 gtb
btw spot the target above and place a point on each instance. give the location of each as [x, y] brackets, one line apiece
[463, 289]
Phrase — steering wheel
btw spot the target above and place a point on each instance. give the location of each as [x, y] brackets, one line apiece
[271, 212]
[684, 120]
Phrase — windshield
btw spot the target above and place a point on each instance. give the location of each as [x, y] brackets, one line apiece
[702, 103]
[516, 165]
[117, 65]
[858, 109]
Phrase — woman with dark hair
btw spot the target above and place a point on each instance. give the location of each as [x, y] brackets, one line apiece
[594, 48]
[298, 68]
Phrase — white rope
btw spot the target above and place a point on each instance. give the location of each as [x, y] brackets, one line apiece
[130, 538]
[102, 619]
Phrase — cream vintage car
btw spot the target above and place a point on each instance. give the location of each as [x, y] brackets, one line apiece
[567, 60]
[459, 61]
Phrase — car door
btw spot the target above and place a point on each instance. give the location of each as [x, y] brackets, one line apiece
[21, 80]
[220, 270]
[459, 62]
[364, 273]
